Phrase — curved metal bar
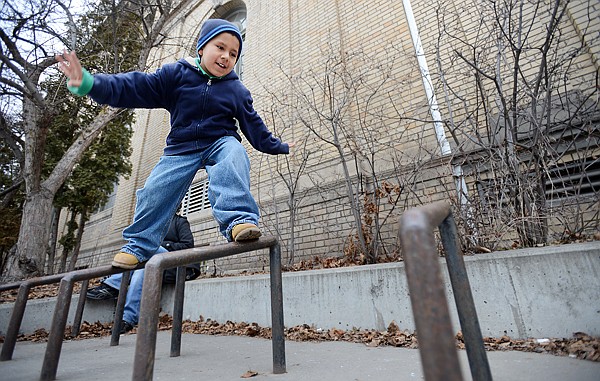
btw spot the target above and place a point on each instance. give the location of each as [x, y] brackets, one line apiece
[145, 348]
[16, 318]
[428, 299]
[430, 308]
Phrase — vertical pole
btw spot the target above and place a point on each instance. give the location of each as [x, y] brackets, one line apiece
[178, 312]
[80, 306]
[432, 318]
[467, 315]
[12, 332]
[57, 329]
[278, 337]
[115, 335]
[145, 345]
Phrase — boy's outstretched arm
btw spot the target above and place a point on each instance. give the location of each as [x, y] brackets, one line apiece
[69, 64]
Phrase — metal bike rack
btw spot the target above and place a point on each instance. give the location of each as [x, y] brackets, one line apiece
[429, 304]
[61, 312]
[58, 326]
[16, 317]
[151, 294]
[145, 348]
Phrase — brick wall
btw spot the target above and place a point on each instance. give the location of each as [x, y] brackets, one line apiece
[288, 38]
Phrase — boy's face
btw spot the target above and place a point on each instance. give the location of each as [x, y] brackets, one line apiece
[219, 55]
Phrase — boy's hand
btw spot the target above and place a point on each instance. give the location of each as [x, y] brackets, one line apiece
[291, 144]
[69, 64]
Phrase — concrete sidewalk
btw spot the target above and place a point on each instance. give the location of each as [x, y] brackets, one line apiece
[229, 357]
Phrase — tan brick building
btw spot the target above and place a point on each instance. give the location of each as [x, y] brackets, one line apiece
[347, 73]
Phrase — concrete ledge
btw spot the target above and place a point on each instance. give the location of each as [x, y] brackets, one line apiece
[542, 292]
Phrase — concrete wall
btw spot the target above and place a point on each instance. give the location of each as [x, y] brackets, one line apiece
[545, 292]
[39, 312]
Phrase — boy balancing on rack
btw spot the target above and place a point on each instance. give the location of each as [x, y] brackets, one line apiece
[204, 97]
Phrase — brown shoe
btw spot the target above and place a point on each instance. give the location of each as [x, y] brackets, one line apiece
[125, 261]
[245, 232]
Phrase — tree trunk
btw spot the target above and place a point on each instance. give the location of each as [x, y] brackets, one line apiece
[80, 228]
[52, 242]
[353, 198]
[67, 246]
[32, 246]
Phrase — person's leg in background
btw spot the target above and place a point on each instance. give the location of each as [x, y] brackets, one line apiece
[131, 312]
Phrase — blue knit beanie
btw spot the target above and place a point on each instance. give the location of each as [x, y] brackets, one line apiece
[212, 28]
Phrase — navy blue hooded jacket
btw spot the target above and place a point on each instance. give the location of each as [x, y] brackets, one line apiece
[202, 109]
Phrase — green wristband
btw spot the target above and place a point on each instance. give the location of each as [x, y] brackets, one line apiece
[87, 82]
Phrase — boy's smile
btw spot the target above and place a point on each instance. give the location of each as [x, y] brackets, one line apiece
[219, 55]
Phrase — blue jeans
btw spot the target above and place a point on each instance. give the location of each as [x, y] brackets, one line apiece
[228, 168]
[131, 312]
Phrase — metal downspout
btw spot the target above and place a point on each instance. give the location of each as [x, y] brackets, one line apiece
[457, 172]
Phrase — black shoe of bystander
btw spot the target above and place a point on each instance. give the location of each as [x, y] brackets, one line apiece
[126, 327]
[102, 292]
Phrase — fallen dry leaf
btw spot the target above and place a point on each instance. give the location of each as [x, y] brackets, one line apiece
[249, 373]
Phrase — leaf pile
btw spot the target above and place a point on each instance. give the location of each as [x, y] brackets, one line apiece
[581, 346]
[37, 292]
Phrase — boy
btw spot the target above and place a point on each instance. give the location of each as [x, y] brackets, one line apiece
[204, 97]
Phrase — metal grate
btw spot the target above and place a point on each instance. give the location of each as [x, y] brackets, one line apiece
[196, 199]
[574, 178]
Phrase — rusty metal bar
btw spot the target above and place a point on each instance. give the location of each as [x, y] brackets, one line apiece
[15, 323]
[178, 312]
[16, 317]
[25, 286]
[430, 308]
[76, 327]
[145, 348]
[57, 331]
[145, 345]
[428, 299]
[115, 334]
[10, 286]
[61, 312]
[277, 333]
[467, 315]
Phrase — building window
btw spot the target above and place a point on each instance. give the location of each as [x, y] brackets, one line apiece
[111, 200]
[238, 17]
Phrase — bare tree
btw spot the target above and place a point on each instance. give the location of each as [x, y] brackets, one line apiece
[288, 172]
[351, 122]
[521, 90]
[29, 42]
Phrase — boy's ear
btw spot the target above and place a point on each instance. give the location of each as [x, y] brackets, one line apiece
[200, 52]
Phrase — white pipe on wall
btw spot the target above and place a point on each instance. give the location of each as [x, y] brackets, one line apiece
[434, 110]
[431, 99]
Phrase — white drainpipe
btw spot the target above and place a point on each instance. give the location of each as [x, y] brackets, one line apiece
[461, 186]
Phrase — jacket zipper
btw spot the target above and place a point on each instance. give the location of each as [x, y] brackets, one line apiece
[205, 97]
